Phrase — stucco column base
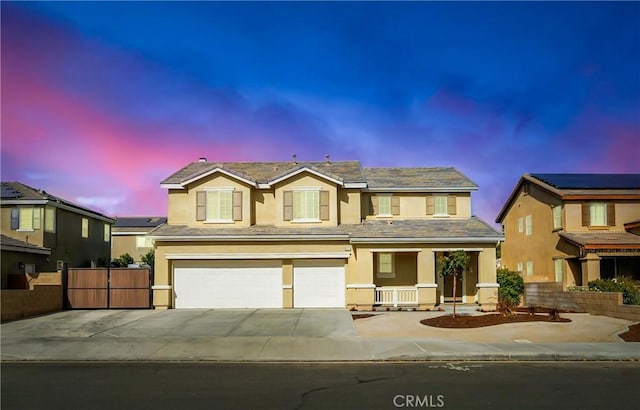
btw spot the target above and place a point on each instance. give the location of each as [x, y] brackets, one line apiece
[361, 296]
[426, 296]
[487, 296]
[590, 268]
[162, 298]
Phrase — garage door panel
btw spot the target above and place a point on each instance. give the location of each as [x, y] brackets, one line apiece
[318, 284]
[228, 285]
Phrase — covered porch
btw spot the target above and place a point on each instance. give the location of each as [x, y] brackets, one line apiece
[408, 278]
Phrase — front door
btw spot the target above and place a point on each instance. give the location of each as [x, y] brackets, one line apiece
[448, 290]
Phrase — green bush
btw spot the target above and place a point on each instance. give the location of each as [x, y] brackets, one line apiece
[511, 289]
[123, 261]
[630, 288]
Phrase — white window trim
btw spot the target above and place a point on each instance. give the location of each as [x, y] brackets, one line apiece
[560, 271]
[218, 221]
[446, 205]
[305, 189]
[519, 267]
[520, 225]
[53, 219]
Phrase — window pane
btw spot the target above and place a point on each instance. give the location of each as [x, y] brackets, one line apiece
[107, 232]
[385, 263]
[384, 205]
[50, 219]
[441, 204]
[559, 269]
[520, 225]
[557, 217]
[529, 268]
[306, 205]
[598, 214]
[85, 228]
[219, 205]
[26, 218]
[140, 241]
[528, 224]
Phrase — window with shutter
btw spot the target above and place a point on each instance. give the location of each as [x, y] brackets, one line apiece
[26, 219]
[430, 205]
[219, 205]
[598, 214]
[384, 205]
[306, 205]
[440, 202]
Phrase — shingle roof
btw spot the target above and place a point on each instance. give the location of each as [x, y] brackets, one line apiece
[606, 239]
[17, 191]
[263, 172]
[424, 230]
[140, 222]
[590, 181]
[419, 178]
[13, 244]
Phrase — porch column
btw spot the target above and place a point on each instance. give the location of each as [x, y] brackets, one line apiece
[426, 280]
[487, 281]
[162, 288]
[590, 268]
[360, 289]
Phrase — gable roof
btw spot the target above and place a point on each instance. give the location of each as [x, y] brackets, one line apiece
[17, 193]
[140, 222]
[266, 173]
[428, 179]
[579, 186]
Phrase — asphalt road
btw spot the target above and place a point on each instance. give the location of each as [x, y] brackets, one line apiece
[462, 385]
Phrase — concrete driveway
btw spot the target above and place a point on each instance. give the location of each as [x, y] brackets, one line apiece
[185, 323]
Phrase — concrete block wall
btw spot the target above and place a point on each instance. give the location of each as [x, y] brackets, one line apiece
[17, 304]
[551, 295]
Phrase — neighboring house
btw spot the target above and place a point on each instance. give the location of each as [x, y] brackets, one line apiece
[129, 235]
[572, 228]
[318, 234]
[40, 230]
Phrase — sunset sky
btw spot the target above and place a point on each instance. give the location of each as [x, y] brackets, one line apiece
[102, 101]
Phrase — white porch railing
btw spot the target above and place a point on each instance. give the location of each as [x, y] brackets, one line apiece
[396, 295]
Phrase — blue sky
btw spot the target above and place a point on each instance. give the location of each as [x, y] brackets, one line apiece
[129, 92]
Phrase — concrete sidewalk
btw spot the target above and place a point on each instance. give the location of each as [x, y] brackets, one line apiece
[280, 335]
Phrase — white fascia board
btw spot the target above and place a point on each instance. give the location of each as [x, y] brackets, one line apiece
[124, 233]
[305, 169]
[425, 240]
[361, 286]
[355, 185]
[418, 189]
[487, 285]
[222, 171]
[457, 249]
[426, 285]
[171, 186]
[258, 255]
[264, 186]
[12, 248]
[260, 238]
[394, 250]
[55, 204]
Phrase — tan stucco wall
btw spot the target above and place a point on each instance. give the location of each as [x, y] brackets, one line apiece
[265, 207]
[626, 211]
[414, 205]
[306, 180]
[349, 200]
[121, 244]
[35, 237]
[542, 245]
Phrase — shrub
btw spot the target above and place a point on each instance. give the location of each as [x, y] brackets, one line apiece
[149, 258]
[123, 261]
[510, 291]
[630, 288]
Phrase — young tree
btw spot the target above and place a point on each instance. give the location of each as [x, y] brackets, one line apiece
[454, 264]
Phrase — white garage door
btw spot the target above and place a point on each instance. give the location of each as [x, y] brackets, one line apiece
[229, 284]
[318, 283]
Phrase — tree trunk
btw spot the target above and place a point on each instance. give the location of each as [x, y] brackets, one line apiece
[454, 296]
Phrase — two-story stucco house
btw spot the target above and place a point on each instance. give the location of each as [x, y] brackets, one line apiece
[318, 234]
[40, 231]
[129, 235]
[572, 228]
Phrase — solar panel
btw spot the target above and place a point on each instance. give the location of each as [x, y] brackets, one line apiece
[591, 181]
[9, 193]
